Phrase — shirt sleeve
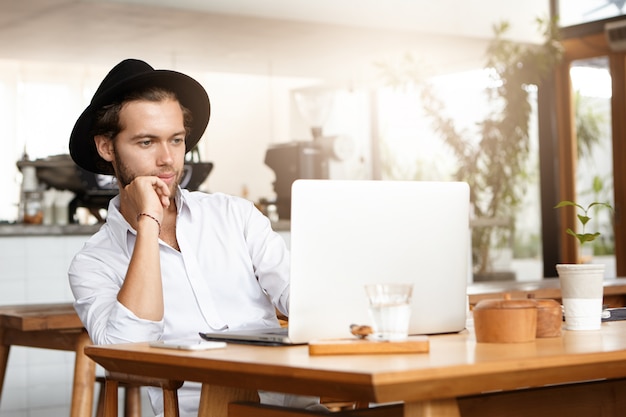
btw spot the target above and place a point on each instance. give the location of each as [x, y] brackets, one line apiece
[270, 258]
[95, 287]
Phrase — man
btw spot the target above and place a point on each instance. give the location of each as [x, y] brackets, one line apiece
[169, 263]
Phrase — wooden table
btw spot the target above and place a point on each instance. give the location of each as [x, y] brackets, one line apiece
[614, 290]
[50, 326]
[451, 380]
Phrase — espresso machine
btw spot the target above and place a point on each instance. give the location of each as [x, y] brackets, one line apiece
[307, 159]
[93, 191]
[291, 161]
[303, 160]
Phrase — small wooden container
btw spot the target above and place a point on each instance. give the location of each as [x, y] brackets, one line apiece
[505, 320]
[549, 318]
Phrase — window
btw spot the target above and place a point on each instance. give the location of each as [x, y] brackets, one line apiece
[575, 12]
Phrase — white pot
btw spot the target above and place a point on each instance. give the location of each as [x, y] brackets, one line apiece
[582, 288]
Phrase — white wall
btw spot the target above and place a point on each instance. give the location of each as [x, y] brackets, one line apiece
[248, 113]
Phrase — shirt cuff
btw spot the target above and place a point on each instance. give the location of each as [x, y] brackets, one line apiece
[126, 327]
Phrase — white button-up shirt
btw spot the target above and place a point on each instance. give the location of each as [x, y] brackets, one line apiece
[232, 271]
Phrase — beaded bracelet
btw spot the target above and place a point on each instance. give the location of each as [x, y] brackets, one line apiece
[152, 217]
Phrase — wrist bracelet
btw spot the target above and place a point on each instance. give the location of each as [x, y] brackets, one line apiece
[152, 217]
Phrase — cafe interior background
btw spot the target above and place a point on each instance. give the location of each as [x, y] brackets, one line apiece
[285, 78]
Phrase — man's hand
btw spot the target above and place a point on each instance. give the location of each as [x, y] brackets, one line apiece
[142, 291]
[145, 195]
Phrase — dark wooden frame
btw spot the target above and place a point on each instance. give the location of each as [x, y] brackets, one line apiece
[580, 42]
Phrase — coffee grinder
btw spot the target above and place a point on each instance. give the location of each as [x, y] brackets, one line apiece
[306, 159]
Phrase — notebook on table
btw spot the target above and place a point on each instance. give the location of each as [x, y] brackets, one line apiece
[345, 234]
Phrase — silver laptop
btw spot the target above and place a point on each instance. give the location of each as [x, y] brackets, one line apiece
[345, 234]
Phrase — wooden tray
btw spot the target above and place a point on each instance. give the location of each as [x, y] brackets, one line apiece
[414, 344]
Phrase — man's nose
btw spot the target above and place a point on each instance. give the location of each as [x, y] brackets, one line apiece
[165, 154]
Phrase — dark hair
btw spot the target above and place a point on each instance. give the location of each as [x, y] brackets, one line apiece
[107, 121]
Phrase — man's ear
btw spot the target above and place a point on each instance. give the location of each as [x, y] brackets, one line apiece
[104, 145]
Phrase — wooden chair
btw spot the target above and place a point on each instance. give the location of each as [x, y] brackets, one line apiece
[50, 326]
[132, 398]
[114, 380]
[57, 326]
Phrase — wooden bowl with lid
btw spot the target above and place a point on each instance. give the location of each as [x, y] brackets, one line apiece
[505, 320]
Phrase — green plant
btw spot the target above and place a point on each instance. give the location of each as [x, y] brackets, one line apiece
[493, 158]
[583, 217]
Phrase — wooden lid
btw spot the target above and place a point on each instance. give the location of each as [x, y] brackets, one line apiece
[547, 303]
[506, 303]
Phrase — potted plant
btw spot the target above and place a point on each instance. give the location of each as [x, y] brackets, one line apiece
[584, 218]
[582, 284]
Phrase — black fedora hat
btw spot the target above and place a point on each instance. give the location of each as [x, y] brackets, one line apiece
[127, 76]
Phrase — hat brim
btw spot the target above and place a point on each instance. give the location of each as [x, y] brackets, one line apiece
[190, 94]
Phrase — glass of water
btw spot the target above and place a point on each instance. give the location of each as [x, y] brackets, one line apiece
[390, 310]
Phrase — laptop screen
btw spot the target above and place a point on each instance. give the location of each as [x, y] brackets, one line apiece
[345, 234]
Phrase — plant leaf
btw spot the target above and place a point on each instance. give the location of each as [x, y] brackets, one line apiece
[607, 205]
[576, 235]
[565, 203]
[588, 237]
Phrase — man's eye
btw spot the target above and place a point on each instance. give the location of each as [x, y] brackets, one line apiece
[145, 142]
[178, 140]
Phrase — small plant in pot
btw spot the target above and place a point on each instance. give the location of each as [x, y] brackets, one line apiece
[582, 285]
[584, 218]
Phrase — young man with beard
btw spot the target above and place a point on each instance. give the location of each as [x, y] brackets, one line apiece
[169, 263]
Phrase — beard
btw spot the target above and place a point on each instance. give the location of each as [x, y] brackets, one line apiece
[125, 175]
